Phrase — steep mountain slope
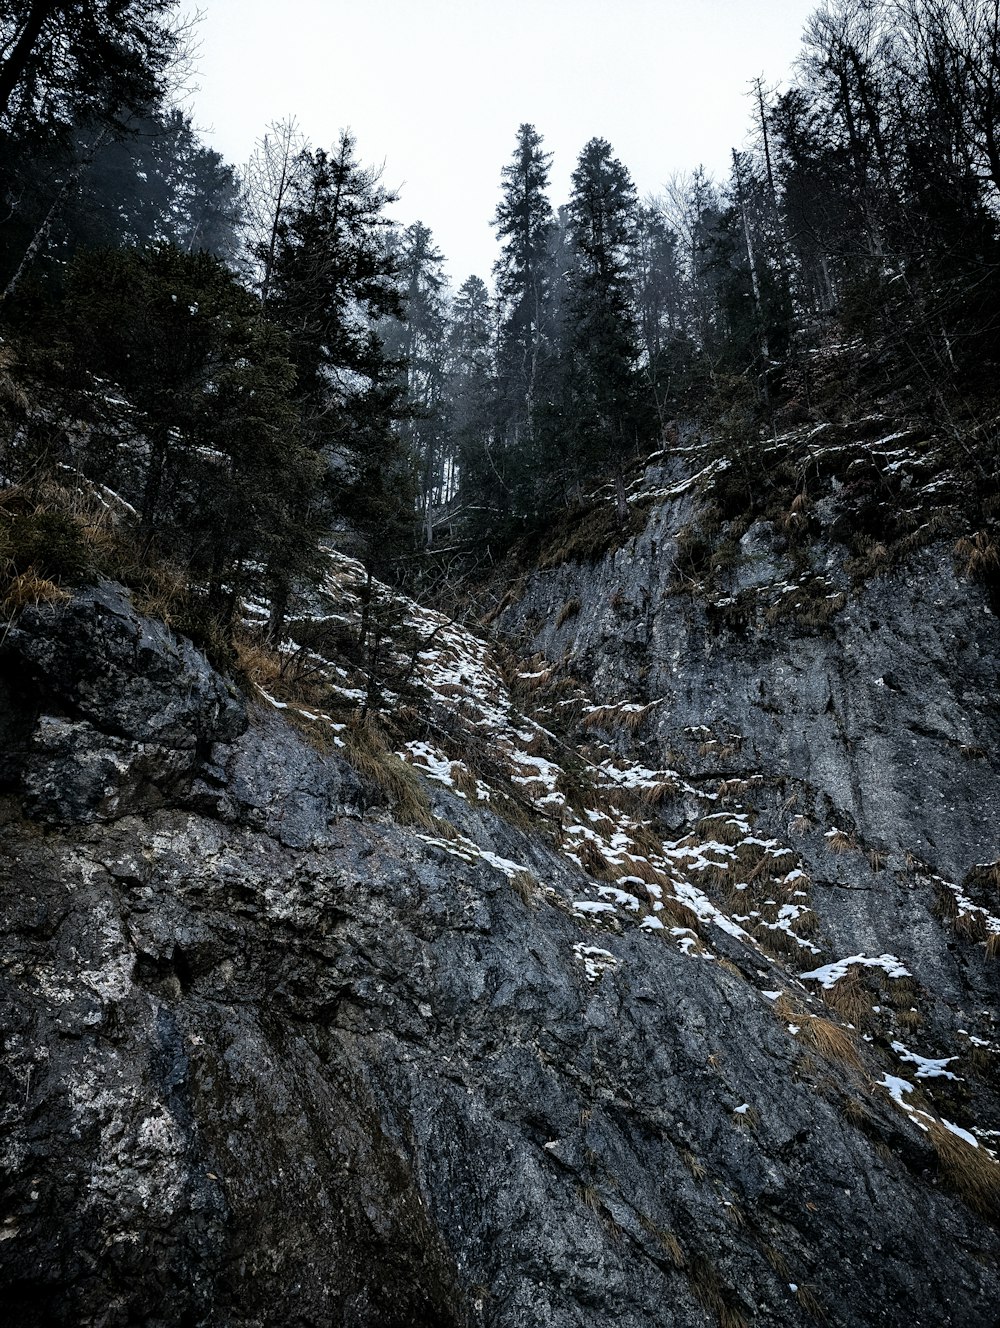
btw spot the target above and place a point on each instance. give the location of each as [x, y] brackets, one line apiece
[647, 983]
[858, 713]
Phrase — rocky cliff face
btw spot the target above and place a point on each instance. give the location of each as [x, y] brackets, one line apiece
[273, 1058]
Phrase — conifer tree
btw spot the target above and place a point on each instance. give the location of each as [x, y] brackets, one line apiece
[472, 393]
[334, 280]
[604, 417]
[419, 343]
[524, 225]
[156, 184]
[226, 485]
[64, 64]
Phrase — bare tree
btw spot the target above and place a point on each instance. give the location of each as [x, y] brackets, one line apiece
[268, 185]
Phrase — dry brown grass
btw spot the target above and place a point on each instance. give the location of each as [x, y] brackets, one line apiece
[367, 750]
[909, 1020]
[856, 1112]
[832, 1042]
[971, 926]
[590, 1197]
[50, 536]
[513, 596]
[258, 663]
[900, 993]
[807, 1299]
[594, 862]
[984, 876]
[160, 590]
[569, 610]
[850, 999]
[808, 606]
[464, 780]
[746, 1120]
[841, 842]
[673, 1248]
[732, 788]
[776, 940]
[945, 903]
[615, 718]
[993, 945]
[977, 554]
[680, 915]
[788, 1010]
[27, 590]
[777, 1261]
[645, 871]
[970, 1171]
[983, 1060]
[697, 1168]
[291, 678]
[525, 885]
[540, 673]
[659, 792]
[722, 828]
[709, 1288]
[752, 855]
[969, 753]
[873, 557]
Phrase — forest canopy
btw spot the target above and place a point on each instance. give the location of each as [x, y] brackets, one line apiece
[260, 360]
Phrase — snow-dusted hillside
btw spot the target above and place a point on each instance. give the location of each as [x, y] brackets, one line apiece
[650, 979]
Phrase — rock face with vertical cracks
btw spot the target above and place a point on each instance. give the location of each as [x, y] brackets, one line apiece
[271, 1059]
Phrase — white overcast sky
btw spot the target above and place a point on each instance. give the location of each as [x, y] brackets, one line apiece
[435, 89]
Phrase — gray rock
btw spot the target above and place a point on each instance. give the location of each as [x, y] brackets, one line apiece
[106, 711]
[271, 1059]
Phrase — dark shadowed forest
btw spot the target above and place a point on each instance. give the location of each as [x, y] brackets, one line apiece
[256, 358]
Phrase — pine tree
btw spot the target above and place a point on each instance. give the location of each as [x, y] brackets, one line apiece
[333, 281]
[472, 395]
[419, 343]
[226, 485]
[605, 419]
[334, 275]
[659, 292]
[524, 225]
[65, 64]
[156, 184]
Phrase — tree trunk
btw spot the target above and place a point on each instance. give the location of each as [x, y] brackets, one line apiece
[621, 501]
[158, 447]
[42, 234]
[16, 63]
[279, 612]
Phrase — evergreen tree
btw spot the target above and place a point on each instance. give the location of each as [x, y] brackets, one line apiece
[419, 343]
[334, 275]
[605, 419]
[659, 294]
[157, 184]
[334, 279]
[524, 225]
[472, 398]
[64, 64]
[225, 485]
